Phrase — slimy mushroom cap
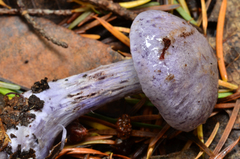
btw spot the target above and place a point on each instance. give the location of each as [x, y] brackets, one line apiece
[176, 66]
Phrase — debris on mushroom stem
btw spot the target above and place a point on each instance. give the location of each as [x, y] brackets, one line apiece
[176, 66]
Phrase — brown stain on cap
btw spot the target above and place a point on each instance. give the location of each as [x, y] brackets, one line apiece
[169, 77]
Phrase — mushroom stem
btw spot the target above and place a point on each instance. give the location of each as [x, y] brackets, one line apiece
[69, 98]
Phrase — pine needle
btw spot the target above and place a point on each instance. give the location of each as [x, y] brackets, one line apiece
[184, 5]
[79, 19]
[184, 14]
[123, 29]
[79, 151]
[210, 139]
[228, 128]
[95, 125]
[132, 4]
[227, 84]
[160, 134]
[224, 95]
[219, 41]
[9, 86]
[108, 142]
[91, 36]
[224, 105]
[204, 17]
[4, 4]
[200, 133]
[123, 38]
[228, 149]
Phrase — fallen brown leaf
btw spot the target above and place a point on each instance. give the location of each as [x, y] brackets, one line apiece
[26, 57]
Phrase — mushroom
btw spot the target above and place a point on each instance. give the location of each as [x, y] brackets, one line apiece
[174, 64]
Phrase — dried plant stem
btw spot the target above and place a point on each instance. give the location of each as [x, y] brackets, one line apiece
[37, 27]
[113, 7]
[36, 11]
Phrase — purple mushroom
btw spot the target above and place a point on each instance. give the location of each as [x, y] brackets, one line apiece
[176, 67]
[174, 64]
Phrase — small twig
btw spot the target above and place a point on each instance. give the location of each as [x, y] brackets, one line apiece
[113, 7]
[38, 28]
[36, 11]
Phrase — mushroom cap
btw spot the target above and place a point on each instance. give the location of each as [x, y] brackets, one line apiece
[176, 66]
